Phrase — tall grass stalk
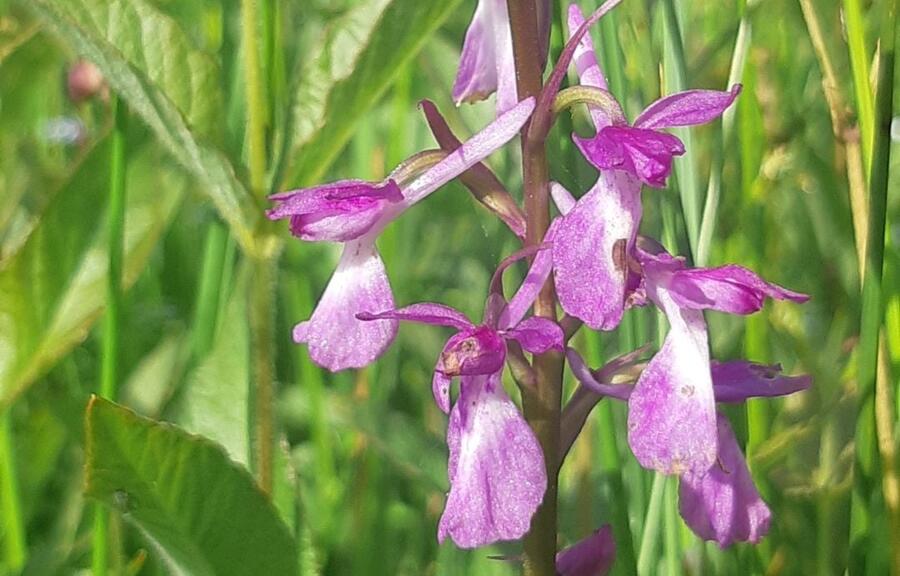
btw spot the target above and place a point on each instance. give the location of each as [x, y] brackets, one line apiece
[866, 479]
[109, 370]
[13, 528]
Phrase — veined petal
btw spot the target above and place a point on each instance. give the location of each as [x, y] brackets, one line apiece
[496, 468]
[722, 504]
[335, 212]
[687, 108]
[424, 313]
[537, 335]
[590, 250]
[337, 339]
[739, 380]
[646, 154]
[729, 288]
[477, 350]
[592, 556]
[476, 78]
[473, 151]
[671, 412]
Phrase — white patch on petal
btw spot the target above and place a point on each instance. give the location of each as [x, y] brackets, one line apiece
[337, 340]
[496, 468]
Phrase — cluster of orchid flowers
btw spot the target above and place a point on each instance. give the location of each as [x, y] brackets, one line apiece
[600, 265]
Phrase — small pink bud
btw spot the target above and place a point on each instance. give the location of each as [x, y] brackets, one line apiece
[85, 81]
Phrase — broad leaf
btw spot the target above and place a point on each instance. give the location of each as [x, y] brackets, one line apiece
[356, 61]
[202, 512]
[148, 61]
[53, 287]
[214, 403]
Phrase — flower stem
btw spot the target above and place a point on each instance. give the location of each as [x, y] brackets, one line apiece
[110, 362]
[256, 111]
[541, 405]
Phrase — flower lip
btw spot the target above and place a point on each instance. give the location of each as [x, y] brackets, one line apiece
[479, 350]
[336, 212]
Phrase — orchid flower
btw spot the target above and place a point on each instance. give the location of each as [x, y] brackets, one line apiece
[589, 254]
[592, 556]
[720, 503]
[486, 64]
[496, 467]
[354, 212]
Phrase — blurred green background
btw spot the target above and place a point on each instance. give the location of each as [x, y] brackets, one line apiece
[365, 449]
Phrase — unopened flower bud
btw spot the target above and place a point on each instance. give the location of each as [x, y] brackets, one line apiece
[85, 81]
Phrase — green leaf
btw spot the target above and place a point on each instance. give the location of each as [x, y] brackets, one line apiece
[147, 59]
[52, 288]
[356, 61]
[202, 512]
[215, 398]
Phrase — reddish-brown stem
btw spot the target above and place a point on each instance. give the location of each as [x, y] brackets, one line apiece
[542, 403]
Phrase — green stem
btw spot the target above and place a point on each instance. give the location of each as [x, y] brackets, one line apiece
[541, 405]
[672, 544]
[110, 360]
[866, 475]
[13, 529]
[262, 352]
[256, 108]
[859, 64]
[647, 557]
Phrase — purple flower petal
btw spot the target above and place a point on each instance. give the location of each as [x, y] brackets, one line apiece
[477, 74]
[424, 313]
[562, 198]
[335, 212]
[496, 468]
[646, 154]
[592, 556]
[687, 108]
[473, 151]
[723, 504]
[440, 387]
[531, 286]
[537, 335]
[590, 250]
[738, 380]
[587, 379]
[589, 71]
[729, 288]
[477, 350]
[337, 340]
[671, 412]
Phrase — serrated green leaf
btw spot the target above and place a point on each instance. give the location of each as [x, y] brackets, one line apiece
[53, 287]
[175, 90]
[201, 511]
[356, 61]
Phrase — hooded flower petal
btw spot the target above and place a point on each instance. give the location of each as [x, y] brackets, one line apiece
[722, 504]
[537, 335]
[335, 212]
[739, 380]
[496, 469]
[671, 412]
[424, 313]
[646, 154]
[478, 350]
[730, 288]
[592, 556]
[590, 250]
[477, 74]
[687, 108]
[337, 339]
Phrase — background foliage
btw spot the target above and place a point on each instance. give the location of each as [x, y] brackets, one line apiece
[361, 465]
